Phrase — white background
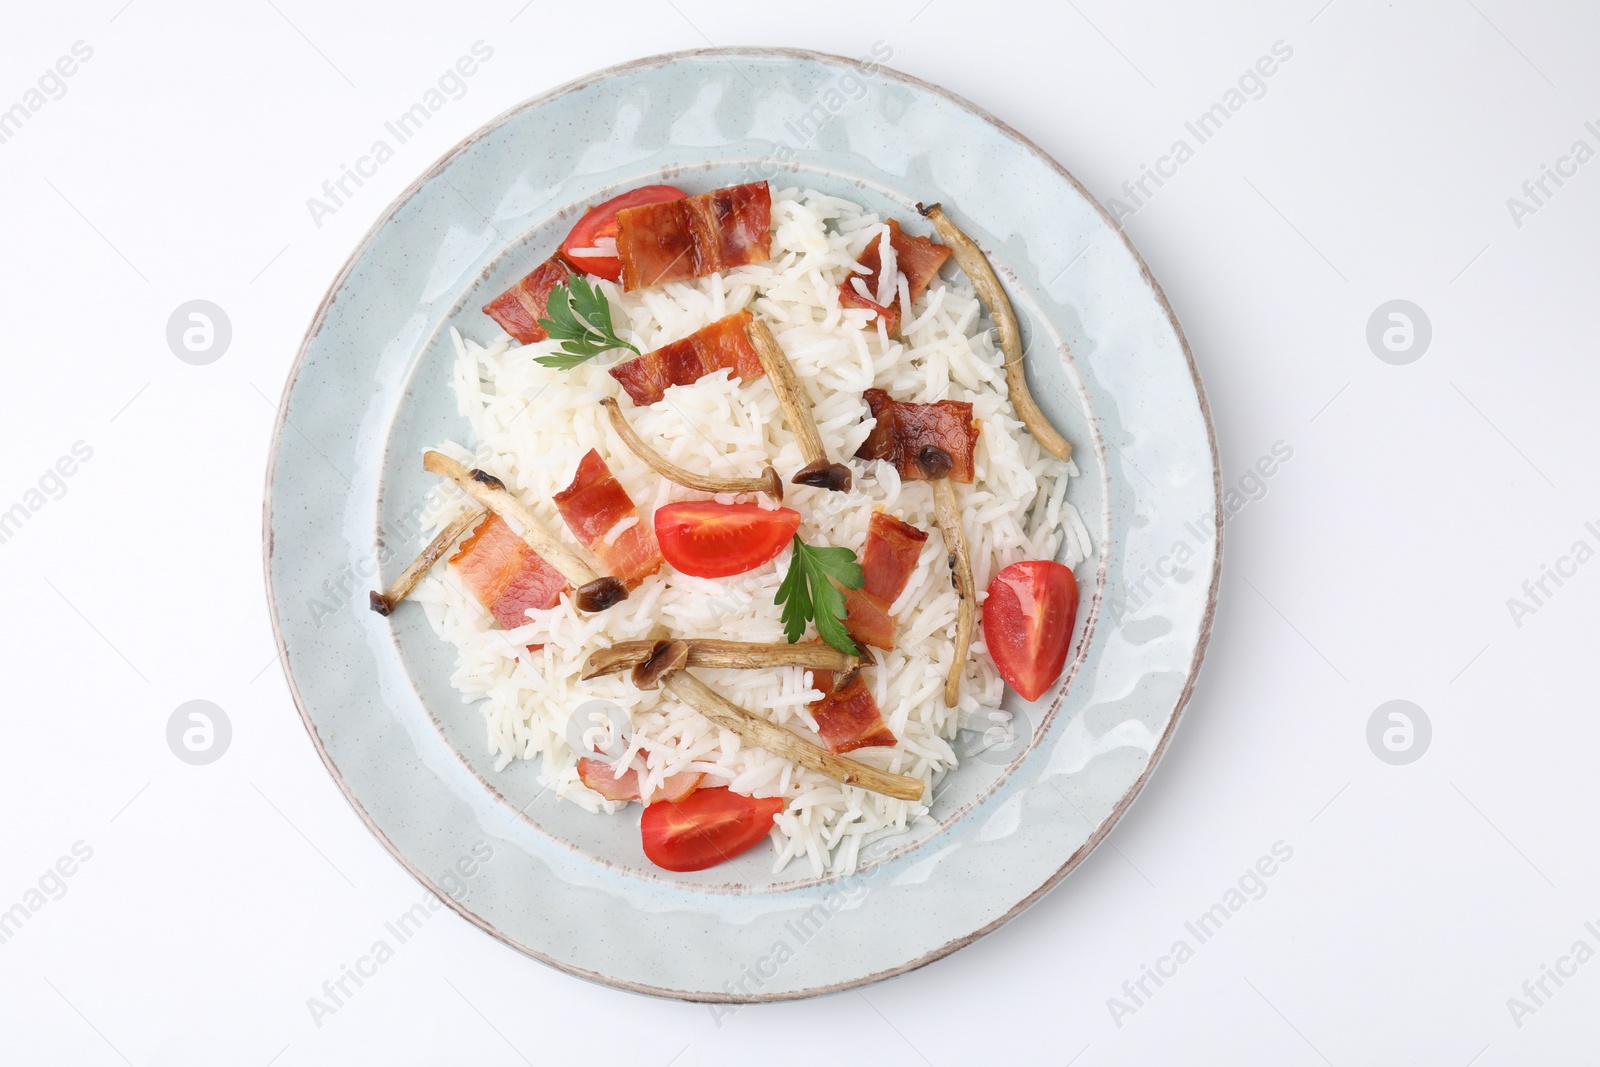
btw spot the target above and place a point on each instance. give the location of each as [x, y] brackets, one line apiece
[1377, 565]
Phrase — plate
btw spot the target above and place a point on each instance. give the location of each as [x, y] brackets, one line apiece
[370, 390]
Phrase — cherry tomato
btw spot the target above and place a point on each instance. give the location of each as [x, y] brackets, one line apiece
[600, 223]
[1027, 623]
[711, 540]
[710, 826]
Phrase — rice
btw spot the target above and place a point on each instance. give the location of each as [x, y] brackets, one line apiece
[532, 424]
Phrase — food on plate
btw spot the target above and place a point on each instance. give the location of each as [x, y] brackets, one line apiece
[698, 235]
[731, 655]
[591, 247]
[977, 267]
[887, 564]
[847, 716]
[923, 441]
[385, 602]
[768, 482]
[720, 346]
[506, 576]
[519, 309]
[1027, 623]
[752, 704]
[706, 828]
[595, 592]
[602, 517]
[818, 472]
[874, 281]
[811, 592]
[712, 540]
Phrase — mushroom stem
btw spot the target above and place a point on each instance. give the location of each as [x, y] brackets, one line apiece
[977, 267]
[768, 483]
[775, 739]
[948, 517]
[706, 652]
[594, 592]
[818, 472]
[385, 602]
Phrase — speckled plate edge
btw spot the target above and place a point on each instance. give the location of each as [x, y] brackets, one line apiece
[1091, 842]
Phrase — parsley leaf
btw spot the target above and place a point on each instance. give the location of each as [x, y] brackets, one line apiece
[579, 316]
[807, 594]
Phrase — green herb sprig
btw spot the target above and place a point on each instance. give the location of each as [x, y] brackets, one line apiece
[580, 318]
[806, 593]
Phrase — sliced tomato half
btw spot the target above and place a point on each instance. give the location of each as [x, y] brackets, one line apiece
[710, 826]
[1027, 623]
[710, 540]
[592, 244]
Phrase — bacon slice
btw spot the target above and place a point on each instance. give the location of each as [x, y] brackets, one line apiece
[848, 718]
[722, 345]
[599, 776]
[519, 309]
[593, 505]
[890, 556]
[923, 441]
[918, 258]
[887, 562]
[699, 235]
[505, 574]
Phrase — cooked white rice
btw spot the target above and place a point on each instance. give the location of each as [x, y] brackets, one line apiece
[532, 424]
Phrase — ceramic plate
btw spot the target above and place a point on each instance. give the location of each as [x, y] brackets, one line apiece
[371, 389]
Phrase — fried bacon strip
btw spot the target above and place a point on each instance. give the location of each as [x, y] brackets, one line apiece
[977, 267]
[847, 717]
[918, 258]
[887, 563]
[599, 776]
[923, 441]
[505, 574]
[594, 505]
[722, 345]
[385, 602]
[594, 592]
[519, 309]
[696, 236]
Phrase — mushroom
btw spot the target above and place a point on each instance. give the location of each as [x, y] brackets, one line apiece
[984, 280]
[775, 739]
[706, 652]
[594, 592]
[385, 602]
[818, 472]
[664, 658]
[948, 518]
[768, 483]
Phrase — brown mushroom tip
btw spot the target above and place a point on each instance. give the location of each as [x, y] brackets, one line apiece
[935, 461]
[666, 657]
[774, 484]
[486, 478]
[600, 594]
[824, 475]
[379, 603]
[864, 654]
[927, 212]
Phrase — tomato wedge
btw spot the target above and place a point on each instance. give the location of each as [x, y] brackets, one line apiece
[597, 230]
[1027, 623]
[710, 540]
[710, 826]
